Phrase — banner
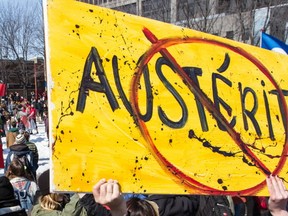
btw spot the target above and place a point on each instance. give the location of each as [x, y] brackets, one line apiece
[161, 108]
[271, 43]
[2, 89]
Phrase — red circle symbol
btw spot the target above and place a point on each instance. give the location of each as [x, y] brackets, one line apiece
[160, 46]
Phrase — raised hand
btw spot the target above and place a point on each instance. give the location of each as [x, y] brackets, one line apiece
[278, 196]
[108, 193]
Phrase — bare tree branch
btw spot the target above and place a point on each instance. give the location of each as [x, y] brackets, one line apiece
[21, 34]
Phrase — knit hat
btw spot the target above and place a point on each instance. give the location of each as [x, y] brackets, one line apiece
[43, 183]
[6, 189]
[20, 139]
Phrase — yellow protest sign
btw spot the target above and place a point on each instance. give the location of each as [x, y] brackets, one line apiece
[160, 108]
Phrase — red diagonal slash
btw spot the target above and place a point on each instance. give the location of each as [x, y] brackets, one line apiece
[160, 46]
[208, 103]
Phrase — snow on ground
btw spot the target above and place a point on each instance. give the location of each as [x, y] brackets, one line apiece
[41, 142]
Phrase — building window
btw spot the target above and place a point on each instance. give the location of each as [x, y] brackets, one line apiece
[230, 34]
[129, 8]
[157, 9]
[223, 6]
[245, 35]
[185, 9]
[277, 22]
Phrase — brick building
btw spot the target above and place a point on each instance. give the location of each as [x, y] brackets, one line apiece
[22, 76]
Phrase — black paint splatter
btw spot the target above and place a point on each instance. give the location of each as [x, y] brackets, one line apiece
[220, 181]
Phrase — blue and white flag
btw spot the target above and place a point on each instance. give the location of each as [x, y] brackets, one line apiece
[271, 43]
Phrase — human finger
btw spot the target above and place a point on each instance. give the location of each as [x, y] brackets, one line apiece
[275, 186]
[109, 189]
[270, 185]
[280, 183]
[116, 190]
[97, 188]
[103, 190]
[282, 188]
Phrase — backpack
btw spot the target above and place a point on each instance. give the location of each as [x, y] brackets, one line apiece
[12, 204]
[26, 157]
[26, 201]
[214, 206]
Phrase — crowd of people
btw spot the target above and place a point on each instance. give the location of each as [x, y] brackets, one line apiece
[107, 200]
[22, 192]
[14, 108]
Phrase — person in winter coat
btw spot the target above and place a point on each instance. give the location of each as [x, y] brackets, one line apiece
[55, 204]
[46, 123]
[9, 206]
[32, 119]
[32, 146]
[12, 133]
[20, 181]
[22, 118]
[21, 150]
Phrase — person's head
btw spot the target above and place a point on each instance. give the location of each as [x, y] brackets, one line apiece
[6, 189]
[13, 123]
[47, 200]
[16, 169]
[20, 139]
[141, 207]
[43, 182]
[53, 201]
[20, 107]
[27, 135]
